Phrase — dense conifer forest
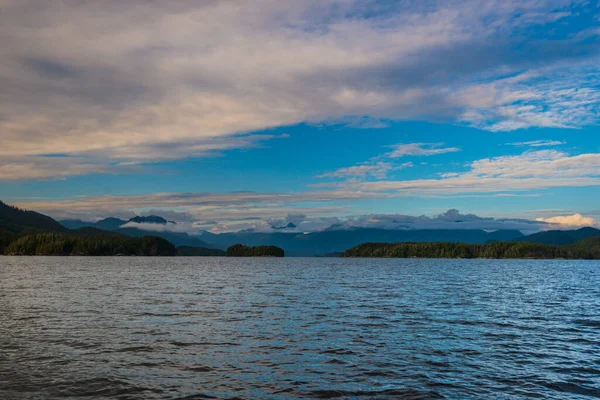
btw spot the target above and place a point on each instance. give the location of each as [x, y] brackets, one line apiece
[56, 244]
[240, 250]
[584, 249]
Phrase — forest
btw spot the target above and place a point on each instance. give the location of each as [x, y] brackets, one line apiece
[59, 244]
[240, 250]
[588, 248]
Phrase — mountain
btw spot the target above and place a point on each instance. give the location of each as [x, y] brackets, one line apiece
[151, 219]
[75, 223]
[15, 220]
[560, 237]
[332, 241]
[107, 224]
[30, 233]
[290, 225]
[112, 224]
[116, 225]
[504, 235]
[177, 238]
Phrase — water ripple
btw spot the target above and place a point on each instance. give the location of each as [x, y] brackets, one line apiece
[217, 328]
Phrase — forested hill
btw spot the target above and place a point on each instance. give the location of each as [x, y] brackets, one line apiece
[240, 250]
[15, 220]
[560, 237]
[584, 249]
[30, 233]
[56, 244]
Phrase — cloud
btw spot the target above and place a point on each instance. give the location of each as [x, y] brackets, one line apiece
[570, 221]
[230, 212]
[451, 219]
[532, 170]
[538, 143]
[147, 81]
[523, 175]
[420, 149]
[169, 227]
[132, 161]
[197, 211]
[560, 97]
[378, 169]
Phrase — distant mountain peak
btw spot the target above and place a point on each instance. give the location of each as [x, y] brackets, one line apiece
[150, 219]
[290, 225]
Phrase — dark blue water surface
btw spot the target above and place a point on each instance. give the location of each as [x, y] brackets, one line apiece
[166, 328]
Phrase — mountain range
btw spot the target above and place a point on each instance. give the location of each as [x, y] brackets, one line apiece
[330, 241]
[336, 239]
[121, 226]
[560, 238]
[15, 222]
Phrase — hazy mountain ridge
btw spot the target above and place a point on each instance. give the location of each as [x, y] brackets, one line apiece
[333, 240]
[120, 226]
[560, 238]
[337, 239]
[150, 219]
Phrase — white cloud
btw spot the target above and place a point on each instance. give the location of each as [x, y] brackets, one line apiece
[378, 169]
[136, 81]
[420, 149]
[559, 97]
[538, 143]
[570, 221]
[524, 175]
[541, 169]
[168, 227]
[451, 219]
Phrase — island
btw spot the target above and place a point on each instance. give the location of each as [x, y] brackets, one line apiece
[240, 250]
[68, 244]
[588, 249]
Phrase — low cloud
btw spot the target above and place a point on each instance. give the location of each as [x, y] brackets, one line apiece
[451, 219]
[168, 227]
[570, 221]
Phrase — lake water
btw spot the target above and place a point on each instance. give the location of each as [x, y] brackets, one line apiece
[143, 328]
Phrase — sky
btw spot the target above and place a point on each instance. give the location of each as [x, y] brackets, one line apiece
[225, 115]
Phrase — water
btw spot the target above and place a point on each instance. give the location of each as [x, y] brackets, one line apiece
[143, 328]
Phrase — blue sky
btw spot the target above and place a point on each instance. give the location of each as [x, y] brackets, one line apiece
[227, 117]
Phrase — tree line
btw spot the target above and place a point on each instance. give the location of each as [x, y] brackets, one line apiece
[58, 244]
[584, 249]
[241, 250]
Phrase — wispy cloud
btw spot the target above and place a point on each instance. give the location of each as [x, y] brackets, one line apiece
[378, 170]
[538, 143]
[380, 166]
[420, 149]
[532, 170]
